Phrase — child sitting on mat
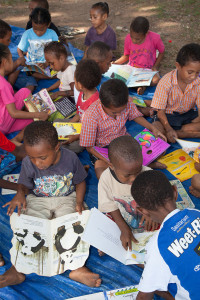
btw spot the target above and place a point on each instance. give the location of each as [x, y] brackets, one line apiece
[12, 117]
[16, 78]
[177, 96]
[114, 188]
[105, 120]
[44, 4]
[33, 40]
[45, 165]
[56, 56]
[100, 31]
[140, 48]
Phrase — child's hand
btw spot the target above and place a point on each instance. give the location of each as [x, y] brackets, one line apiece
[19, 201]
[54, 95]
[79, 208]
[71, 139]
[42, 65]
[171, 135]
[127, 237]
[21, 61]
[149, 223]
[154, 68]
[43, 116]
[157, 134]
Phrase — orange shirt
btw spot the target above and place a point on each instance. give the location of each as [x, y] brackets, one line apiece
[169, 97]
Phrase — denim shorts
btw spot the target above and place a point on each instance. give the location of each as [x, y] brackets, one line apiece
[23, 80]
[177, 120]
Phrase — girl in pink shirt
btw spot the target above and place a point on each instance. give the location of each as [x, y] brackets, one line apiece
[12, 118]
[140, 49]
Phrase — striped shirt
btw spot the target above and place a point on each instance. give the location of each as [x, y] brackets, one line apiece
[169, 96]
[99, 129]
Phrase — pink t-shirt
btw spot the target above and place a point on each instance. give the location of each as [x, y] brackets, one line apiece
[82, 105]
[6, 97]
[143, 55]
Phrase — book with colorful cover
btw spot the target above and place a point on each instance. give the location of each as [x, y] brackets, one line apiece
[125, 293]
[104, 234]
[102, 151]
[138, 101]
[151, 147]
[179, 164]
[183, 201]
[191, 148]
[64, 129]
[30, 67]
[132, 76]
[12, 178]
[39, 102]
[65, 106]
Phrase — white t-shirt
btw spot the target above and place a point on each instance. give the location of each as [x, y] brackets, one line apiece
[172, 261]
[66, 77]
[113, 195]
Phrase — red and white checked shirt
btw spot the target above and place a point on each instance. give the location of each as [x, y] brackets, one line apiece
[169, 96]
[99, 129]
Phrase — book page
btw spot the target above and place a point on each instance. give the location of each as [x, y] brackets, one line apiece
[64, 129]
[12, 178]
[140, 77]
[47, 99]
[96, 296]
[121, 72]
[126, 293]
[30, 244]
[183, 201]
[69, 251]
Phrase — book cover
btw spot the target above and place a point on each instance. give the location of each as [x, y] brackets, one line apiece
[151, 147]
[64, 129]
[104, 234]
[12, 178]
[132, 76]
[183, 201]
[65, 106]
[102, 151]
[48, 247]
[40, 101]
[191, 148]
[137, 101]
[179, 164]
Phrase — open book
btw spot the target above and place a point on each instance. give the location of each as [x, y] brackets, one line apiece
[180, 164]
[126, 293]
[183, 201]
[48, 247]
[33, 67]
[12, 178]
[191, 148]
[133, 77]
[40, 101]
[104, 234]
[151, 147]
[64, 129]
[138, 101]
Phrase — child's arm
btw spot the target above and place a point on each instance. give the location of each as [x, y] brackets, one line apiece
[19, 114]
[126, 234]
[54, 86]
[19, 200]
[64, 93]
[20, 52]
[170, 132]
[149, 224]
[71, 138]
[5, 184]
[157, 62]
[149, 296]
[143, 122]
[75, 119]
[80, 194]
[123, 59]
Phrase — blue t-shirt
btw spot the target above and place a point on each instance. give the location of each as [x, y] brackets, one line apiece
[173, 256]
[34, 45]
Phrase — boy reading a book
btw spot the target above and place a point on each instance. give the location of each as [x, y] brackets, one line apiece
[114, 188]
[177, 95]
[105, 120]
[172, 259]
[53, 179]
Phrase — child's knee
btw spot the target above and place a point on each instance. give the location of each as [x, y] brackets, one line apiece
[155, 79]
[195, 182]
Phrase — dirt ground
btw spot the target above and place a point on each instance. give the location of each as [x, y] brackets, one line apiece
[177, 21]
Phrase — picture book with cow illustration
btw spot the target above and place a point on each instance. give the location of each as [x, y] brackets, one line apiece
[48, 247]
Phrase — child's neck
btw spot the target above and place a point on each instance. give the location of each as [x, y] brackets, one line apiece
[65, 66]
[181, 84]
[2, 72]
[88, 93]
[101, 28]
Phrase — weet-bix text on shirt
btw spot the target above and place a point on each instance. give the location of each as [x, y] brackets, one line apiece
[173, 257]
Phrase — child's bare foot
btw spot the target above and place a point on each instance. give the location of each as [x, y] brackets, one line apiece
[197, 166]
[140, 90]
[101, 253]
[2, 262]
[11, 277]
[85, 276]
[157, 165]
[194, 192]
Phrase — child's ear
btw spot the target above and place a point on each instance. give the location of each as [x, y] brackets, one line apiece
[175, 191]
[104, 17]
[57, 148]
[178, 66]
